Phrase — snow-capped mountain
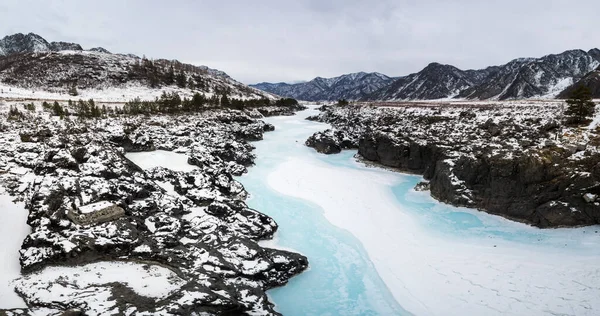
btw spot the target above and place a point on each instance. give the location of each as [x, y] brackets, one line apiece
[519, 79]
[351, 86]
[542, 77]
[436, 81]
[591, 81]
[31, 62]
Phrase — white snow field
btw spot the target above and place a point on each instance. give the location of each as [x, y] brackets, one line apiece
[13, 229]
[432, 274]
[161, 158]
[151, 281]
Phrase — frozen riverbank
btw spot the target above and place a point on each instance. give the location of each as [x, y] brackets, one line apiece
[434, 258]
[13, 229]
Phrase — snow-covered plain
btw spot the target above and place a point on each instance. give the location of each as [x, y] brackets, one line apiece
[494, 267]
[13, 229]
[161, 158]
[109, 94]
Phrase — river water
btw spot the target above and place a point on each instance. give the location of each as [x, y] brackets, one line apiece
[377, 247]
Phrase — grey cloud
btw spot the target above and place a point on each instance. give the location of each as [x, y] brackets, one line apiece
[297, 40]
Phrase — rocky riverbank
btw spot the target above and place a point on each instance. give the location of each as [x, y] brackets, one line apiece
[516, 160]
[191, 230]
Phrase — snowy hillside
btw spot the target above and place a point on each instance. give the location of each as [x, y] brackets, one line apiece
[436, 81]
[30, 67]
[591, 81]
[521, 78]
[542, 77]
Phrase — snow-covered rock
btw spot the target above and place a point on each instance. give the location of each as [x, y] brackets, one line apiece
[513, 159]
[186, 237]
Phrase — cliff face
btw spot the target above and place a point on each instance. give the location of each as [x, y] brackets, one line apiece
[542, 192]
[525, 167]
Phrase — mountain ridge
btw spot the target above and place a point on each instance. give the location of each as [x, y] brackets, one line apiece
[348, 86]
[521, 78]
[29, 61]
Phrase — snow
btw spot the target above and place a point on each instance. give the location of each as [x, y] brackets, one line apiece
[146, 280]
[120, 94]
[596, 121]
[161, 158]
[94, 207]
[429, 275]
[87, 284]
[13, 229]
[559, 87]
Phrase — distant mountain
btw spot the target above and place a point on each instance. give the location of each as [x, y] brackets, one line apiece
[519, 79]
[541, 77]
[436, 81]
[591, 81]
[29, 61]
[351, 86]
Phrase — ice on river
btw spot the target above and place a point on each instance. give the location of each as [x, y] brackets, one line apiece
[435, 259]
[435, 274]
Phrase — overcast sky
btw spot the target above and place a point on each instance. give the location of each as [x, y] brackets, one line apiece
[280, 40]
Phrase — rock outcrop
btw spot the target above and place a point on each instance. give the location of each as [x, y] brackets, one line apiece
[191, 231]
[512, 160]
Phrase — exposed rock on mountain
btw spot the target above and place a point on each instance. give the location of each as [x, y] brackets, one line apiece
[32, 43]
[521, 78]
[541, 77]
[591, 81]
[436, 81]
[525, 166]
[100, 50]
[58, 46]
[351, 87]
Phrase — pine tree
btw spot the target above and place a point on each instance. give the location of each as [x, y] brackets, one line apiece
[225, 101]
[170, 77]
[180, 80]
[57, 110]
[580, 105]
[342, 102]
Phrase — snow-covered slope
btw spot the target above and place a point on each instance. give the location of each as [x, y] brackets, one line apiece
[521, 78]
[542, 77]
[350, 86]
[436, 81]
[591, 81]
[29, 62]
